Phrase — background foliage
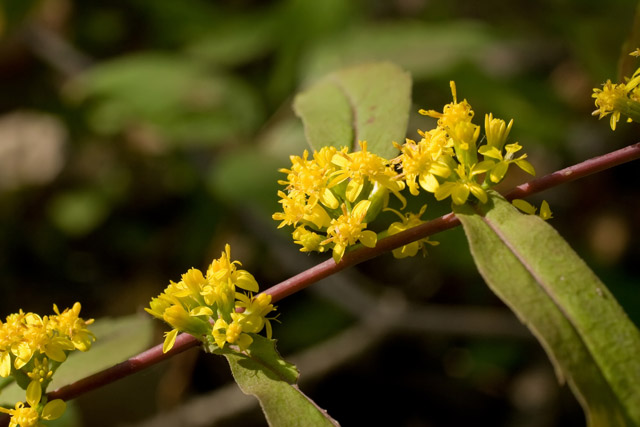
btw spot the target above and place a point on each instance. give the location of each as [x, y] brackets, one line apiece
[136, 138]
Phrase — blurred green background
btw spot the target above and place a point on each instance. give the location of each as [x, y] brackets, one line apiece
[138, 137]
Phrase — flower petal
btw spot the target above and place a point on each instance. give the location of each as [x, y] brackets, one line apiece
[169, 340]
[54, 409]
[369, 238]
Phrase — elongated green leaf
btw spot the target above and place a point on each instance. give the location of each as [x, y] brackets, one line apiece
[587, 335]
[363, 103]
[264, 374]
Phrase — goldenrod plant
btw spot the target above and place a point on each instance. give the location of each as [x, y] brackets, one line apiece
[337, 198]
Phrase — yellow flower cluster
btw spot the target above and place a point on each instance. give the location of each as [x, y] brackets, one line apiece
[331, 198]
[31, 349]
[445, 161]
[619, 98]
[208, 307]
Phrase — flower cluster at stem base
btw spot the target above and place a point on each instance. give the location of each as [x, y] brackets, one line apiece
[32, 347]
[209, 307]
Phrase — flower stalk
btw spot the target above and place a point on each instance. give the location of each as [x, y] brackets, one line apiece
[306, 278]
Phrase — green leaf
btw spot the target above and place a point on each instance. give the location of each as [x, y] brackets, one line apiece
[172, 96]
[263, 373]
[364, 103]
[426, 49]
[585, 332]
[79, 212]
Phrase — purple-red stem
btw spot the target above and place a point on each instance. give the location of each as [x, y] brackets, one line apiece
[329, 267]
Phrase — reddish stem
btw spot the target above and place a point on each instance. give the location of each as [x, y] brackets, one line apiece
[130, 366]
[326, 268]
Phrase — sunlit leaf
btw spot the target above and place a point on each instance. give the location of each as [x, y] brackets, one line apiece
[364, 103]
[263, 373]
[587, 335]
[425, 50]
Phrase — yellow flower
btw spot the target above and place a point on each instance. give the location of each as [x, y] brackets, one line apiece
[408, 221]
[23, 416]
[204, 304]
[231, 333]
[361, 168]
[496, 131]
[169, 340]
[296, 207]
[179, 318]
[310, 176]
[607, 99]
[452, 113]
[41, 373]
[619, 99]
[528, 208]
[464, 136]
[499, 169]
[70, 323]
[459, 190]
[545, 211]
[253, 318]
[348, 229]
[424, 162]
[5, 364]
[159, 304]
[30, 416]
[309, 240]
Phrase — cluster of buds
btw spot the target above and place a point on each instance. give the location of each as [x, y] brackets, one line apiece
[209, 307]
[331, 198]
[31, 349]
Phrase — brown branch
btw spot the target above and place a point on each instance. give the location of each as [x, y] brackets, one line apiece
[130, 366]
[326, 268]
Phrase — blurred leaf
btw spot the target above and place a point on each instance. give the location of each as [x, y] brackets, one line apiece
[117, 339]
[586, 334]
[78, 212]
[179, 97]
[13, 13]
[283, 139]
[246, 176]
[174, 23]
[264, 374]
[363, 103]
[518, 99]
[627, 63]
[424, 49]
[236, 41]
[300, 24]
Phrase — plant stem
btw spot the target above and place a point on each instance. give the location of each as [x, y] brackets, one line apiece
[328, 267]
[130, 366]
